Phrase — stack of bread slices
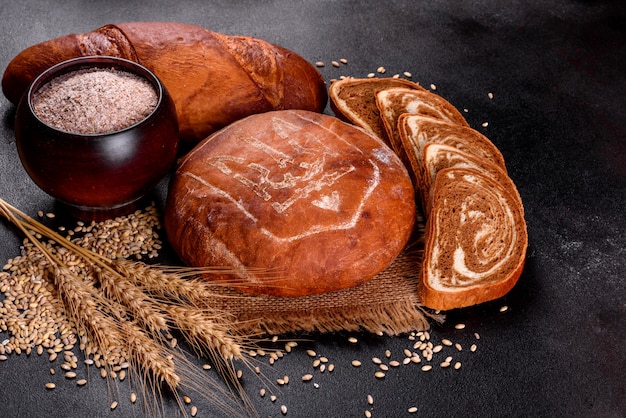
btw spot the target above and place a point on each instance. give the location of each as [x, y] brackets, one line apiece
[475, 235]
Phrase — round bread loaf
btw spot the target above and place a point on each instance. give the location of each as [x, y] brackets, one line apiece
[294, 202]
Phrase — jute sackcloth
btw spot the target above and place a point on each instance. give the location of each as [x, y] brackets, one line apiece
[388, 303]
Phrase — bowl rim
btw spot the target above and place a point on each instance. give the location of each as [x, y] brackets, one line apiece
[77, 63]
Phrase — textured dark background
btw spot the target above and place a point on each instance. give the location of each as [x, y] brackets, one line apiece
[557, 70]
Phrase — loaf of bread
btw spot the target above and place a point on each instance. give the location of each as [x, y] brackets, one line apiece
[214, 79]
[476, 240]
[354, 100]
[294, 202]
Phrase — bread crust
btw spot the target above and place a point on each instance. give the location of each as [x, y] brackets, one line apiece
[320, 204]
[213, 79]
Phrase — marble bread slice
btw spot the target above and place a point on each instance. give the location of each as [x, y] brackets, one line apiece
[475, 240]
[354, 100]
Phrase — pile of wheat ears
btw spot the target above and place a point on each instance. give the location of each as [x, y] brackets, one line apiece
[129, 311]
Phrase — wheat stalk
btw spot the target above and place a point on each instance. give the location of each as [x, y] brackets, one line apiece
[140, 305]
[127, 315]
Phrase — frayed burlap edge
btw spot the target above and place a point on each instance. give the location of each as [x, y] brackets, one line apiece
[386, 304]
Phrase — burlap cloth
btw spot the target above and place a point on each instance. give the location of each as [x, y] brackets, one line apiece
[386, 304]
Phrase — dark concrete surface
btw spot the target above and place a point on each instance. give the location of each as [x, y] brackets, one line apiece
[557, 70]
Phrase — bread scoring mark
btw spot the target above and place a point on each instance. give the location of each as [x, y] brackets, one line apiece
[281, 159]
[236, 267]
[328, 202]
[221, 193]
[313, 229]
[338, 137]
[349, 224]
[301, 178]
[259, 178]
[284, 128]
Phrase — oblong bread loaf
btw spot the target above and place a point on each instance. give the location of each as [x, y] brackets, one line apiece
[476, 240]
[354, 100]
[214, 79]
[318, 203]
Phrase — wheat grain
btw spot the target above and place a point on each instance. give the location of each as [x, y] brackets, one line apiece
[109, 330]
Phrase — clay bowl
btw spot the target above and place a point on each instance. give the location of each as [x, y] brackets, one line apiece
[104, 173]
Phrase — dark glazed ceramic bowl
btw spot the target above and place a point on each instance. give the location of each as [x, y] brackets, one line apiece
[98, 173]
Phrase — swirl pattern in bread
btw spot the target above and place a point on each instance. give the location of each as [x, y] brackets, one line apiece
[476, 240]
[354, 100]
[476, 234]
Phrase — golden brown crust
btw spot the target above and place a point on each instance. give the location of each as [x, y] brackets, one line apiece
[213, 79]
[31, 62]
[320, 203]
[476, 240]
